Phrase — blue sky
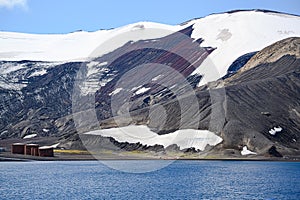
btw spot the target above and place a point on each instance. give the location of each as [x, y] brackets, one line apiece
[63, 16]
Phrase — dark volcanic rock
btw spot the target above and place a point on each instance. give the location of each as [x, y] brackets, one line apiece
[275, 92]
[238, 63]
[273, 152]
[272, 88]
[44, 99]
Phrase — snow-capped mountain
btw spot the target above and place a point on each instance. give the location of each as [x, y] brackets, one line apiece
[232, 34]
[40, 75]
[75, 46]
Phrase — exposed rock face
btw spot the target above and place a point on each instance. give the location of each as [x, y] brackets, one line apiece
[270, 54]
[272, 151]
[238, 63]
[44, 99]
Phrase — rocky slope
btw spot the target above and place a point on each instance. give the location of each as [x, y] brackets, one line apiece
[254, 107]
[265, 94]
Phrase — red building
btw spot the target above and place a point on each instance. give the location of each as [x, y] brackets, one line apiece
[32, 149]
[18, 148]
[46, 151]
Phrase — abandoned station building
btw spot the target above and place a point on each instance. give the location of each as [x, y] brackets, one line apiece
[32, 149]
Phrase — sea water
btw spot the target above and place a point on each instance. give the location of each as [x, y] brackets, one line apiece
[178, 180]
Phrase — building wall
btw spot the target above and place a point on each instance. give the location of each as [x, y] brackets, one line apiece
[18, 149]
[34, 151]
[46, 152]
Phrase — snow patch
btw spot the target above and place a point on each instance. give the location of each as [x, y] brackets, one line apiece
[11, 67]
[55, 145]
[14, 76]
[105, 81]
[116, 91]
[102, 64]
[142, 90]
[46, 130]
[279, 129]
[157, 77]
[91, 68]
[186, 138]
[275, 130]
[95, 70]
[94, 67]
[245, 151]
[135, 88]
[29, 136]
[38, 73]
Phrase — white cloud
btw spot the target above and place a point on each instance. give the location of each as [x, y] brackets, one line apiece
[13, 3]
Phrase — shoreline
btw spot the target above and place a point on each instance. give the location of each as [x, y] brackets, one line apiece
[8, 157]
